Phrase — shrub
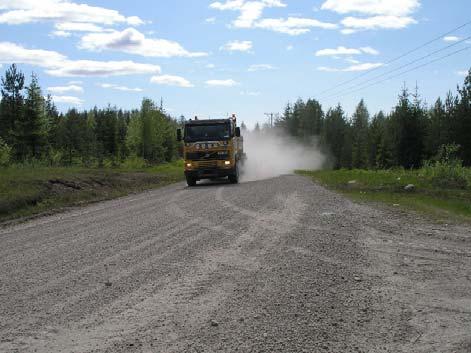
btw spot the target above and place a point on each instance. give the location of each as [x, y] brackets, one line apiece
[447, 171]
[5, 153]
[56, 157]
[134, 162]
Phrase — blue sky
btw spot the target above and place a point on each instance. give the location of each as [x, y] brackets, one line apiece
[213, 58]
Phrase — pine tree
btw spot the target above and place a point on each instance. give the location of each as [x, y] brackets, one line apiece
[11, 107]
[31, 129]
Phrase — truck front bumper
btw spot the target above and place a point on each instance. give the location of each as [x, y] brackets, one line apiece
[210, 173]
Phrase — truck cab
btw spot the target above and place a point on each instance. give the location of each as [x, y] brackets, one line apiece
[212, 149]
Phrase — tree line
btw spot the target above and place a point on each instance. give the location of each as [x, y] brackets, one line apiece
[31, 128]
[409, 135]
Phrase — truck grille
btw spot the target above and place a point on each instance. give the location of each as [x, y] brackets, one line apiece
[208, 164]
[205, 156]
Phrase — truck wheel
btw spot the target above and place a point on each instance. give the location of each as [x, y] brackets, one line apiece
[234, 178]
[190, 181]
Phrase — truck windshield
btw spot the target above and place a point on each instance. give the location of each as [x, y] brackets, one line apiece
[207, 132]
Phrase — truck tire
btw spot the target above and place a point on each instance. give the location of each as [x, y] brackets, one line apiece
[234, 178]
[190, 181]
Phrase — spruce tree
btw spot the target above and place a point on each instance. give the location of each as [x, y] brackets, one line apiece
[334, 135]
[360, 136]
[463, 120]
[375, 139]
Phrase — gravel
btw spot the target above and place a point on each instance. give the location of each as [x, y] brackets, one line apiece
[281, 265]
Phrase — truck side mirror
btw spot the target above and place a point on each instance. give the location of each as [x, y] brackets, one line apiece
[179, 135]
[237, 131]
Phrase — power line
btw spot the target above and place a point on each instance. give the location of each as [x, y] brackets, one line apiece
[405, 72]
[400, 67]
[396, 58]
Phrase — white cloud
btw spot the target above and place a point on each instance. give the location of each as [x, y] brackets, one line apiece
[352, 61]
[28, 11]
[67, 100]
[338, 51]
[369, 50]
[372, 7]
[78, 27]
[451, 39]
[57, 64]
[462, 73]
[120, 88]
[170, 80]
[73, 68]
[210, 20]
[222, 83]
[251, 17]
[352, 68]
[261, 67]
[354, 24]
[293, 25]
[65, 89]
[132, 41]
[210, 66]
[238, 45]
[383, 14]
[346, 51]
[62, 34]
[250, 11]
[13, 53]
[289, 47]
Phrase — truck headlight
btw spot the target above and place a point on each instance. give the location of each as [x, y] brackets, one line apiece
[188, 165]
[227, 162]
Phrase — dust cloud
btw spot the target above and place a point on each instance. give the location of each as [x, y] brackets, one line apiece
[270, 153]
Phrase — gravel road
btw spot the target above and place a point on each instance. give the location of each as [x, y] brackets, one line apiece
[281, 265]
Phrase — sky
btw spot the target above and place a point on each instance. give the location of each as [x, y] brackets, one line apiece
[248, 57]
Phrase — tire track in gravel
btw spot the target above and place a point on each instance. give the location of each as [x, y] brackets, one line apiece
[161, 303]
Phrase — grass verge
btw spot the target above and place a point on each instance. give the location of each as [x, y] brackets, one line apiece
[29, 191]
[388, 187]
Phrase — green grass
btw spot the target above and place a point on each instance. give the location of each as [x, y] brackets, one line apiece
[387, 186]
[27, 190]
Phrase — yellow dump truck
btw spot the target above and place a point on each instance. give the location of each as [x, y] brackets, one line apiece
[212, 149]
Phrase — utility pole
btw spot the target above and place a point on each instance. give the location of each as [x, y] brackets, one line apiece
[271, 117]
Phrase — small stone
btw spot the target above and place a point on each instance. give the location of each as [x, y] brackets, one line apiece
[108, 284]
[356, 278]
[214, 323]
[410, 187]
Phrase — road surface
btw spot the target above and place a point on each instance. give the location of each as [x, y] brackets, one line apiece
[281, 265]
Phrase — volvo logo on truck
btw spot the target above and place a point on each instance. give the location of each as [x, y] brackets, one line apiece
[212, 149]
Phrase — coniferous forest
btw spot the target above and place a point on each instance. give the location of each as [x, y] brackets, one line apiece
[32, 129]
[408, 136]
